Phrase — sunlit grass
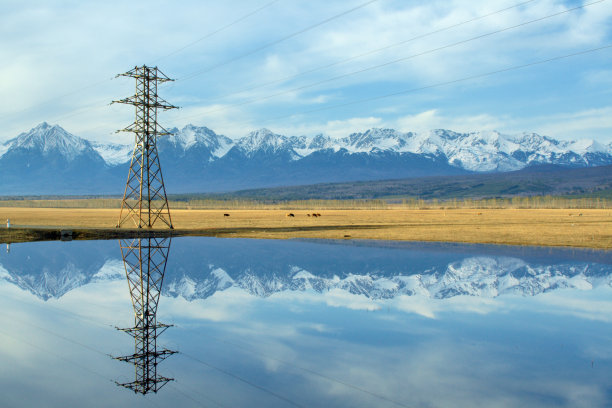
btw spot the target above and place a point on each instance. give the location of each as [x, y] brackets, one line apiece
[546, 227]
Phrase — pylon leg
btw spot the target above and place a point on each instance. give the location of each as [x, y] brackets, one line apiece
[144, 200]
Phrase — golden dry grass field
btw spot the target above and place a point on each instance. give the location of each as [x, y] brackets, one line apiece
[591, 228]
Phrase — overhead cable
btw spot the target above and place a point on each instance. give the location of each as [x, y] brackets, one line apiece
[95, 84]
[275, 42]
[440, 84]
[374, 67]
[225, 27]
[374, 51]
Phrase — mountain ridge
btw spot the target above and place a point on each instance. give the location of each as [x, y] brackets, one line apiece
[199, 268]
[196, 159]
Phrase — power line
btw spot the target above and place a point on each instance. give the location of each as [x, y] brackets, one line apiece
[374, 51]
[300, 88]
[95, 84]
[270, 44]
[55, 98]
[440, 84]
[235, 58]
[244, 17]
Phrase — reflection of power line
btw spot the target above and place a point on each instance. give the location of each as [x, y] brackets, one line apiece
[374, 51]
[237, 377]
[88, 320]
[60, 357]
[385, 64]
[50, 352]
[278, 41]
[206, 397]
[301, 368]
[145, 264]
[57, 310]
[59, 336]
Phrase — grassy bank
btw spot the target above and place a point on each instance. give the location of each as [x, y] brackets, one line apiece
[589, 228]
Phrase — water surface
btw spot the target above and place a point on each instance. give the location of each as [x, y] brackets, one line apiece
[310, 323]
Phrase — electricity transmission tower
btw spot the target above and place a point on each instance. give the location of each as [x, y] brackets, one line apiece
[145, 264]
[144, 199]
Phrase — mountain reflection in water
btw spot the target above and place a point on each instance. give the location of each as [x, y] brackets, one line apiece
[305, 323]
[207, 265]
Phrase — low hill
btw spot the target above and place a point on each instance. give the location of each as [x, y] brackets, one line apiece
[537, 180]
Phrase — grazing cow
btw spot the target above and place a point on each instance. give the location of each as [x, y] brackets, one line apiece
[580, 215]
[314, 215]
[308, 215]
[226, 215]
[290, 215]
[318, 215]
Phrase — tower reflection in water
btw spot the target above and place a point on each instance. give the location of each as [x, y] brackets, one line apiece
[145, 264]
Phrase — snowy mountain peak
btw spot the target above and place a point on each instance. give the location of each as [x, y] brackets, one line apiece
[113, 153]
[50, 140]
[198, 159]
[589, 146]
[192, 136]
[320, 141]
[376, 139]
[263, 140]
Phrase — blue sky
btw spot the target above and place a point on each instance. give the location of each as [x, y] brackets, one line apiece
[59, 58]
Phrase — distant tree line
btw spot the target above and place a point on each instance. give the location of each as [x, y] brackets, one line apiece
[532, 202]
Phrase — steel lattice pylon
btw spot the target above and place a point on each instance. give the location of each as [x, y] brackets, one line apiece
[145, 264]
[144, 199]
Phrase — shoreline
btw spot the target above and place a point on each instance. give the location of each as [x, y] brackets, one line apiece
[19, 235]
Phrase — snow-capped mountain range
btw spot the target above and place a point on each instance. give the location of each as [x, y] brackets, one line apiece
[486, 277]
[196, 159]
[204, 267]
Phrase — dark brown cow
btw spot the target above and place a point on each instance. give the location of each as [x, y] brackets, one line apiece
[226, 215]
[290, 215]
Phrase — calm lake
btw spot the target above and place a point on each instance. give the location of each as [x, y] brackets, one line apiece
[303, 323]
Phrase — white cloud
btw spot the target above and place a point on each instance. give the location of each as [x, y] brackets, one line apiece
[598, 78]
[432, 119]
[53, 49]
[223, 306]
[587, 124]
